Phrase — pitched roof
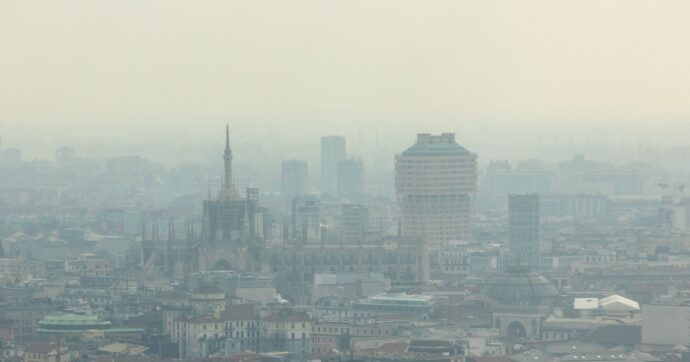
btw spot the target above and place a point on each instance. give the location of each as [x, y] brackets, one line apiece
[240, 312]
[393, 347]
[615, 334]
[617, 302]
[41, 347]
[287, 315]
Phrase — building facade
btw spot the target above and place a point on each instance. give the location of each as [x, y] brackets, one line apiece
[286, 331]
[355, 223]
[232, 224]
[350, 179]
[524, 230]
[435, 182]
[294, 180]
[332, 152]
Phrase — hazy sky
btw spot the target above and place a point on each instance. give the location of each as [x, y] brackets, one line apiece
[288, 71]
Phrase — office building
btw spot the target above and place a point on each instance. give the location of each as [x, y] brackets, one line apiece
[435, 182]
[355, 222]
[10, 157]
[350, 180]
[332, 152]
[524, 230]
[306, 218]
[294, 180]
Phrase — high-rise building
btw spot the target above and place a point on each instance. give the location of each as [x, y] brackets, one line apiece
[294, 180]
[524, 230]
[355, 222]
[350, 180]
[10, 157]
[435, 182]
[64, 155]
[332, 152]
[306, 219]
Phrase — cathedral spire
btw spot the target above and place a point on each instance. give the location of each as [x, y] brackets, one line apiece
[228, 186]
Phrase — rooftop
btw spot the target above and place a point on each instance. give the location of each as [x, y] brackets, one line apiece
[519, 286]
[207, 289]
[615, 335]
[73, 319]
[41, 347]
[443, 144]
[618, 302]
[238, 312]
[402, 297]
[586, 303]
[287, 316]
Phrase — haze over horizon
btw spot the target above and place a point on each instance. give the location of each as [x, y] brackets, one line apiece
[503, 75]
[350, 181]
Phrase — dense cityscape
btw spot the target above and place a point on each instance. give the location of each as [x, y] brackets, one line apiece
[124, 259]
[344, 181]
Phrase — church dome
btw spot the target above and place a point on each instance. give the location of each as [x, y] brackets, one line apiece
[519, 287]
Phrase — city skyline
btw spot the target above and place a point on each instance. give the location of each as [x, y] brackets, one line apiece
[354, 181]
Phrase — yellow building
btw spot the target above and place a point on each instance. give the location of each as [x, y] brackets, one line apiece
[45, 352]
[198, 336]
[286, 331]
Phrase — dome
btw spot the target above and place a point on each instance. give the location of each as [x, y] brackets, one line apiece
[519, 288]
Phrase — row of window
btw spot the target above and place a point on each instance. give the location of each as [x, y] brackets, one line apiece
[346, 330]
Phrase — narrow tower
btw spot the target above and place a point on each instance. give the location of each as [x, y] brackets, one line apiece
[228, 185]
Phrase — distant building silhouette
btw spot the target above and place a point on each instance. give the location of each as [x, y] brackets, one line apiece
[231, 221]
[435, 182]
[355, 223]
[350, 182]
[332, 152]
[64, 155]
[524, 230]
[294, 181]
[10, 157]
[306, 218]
